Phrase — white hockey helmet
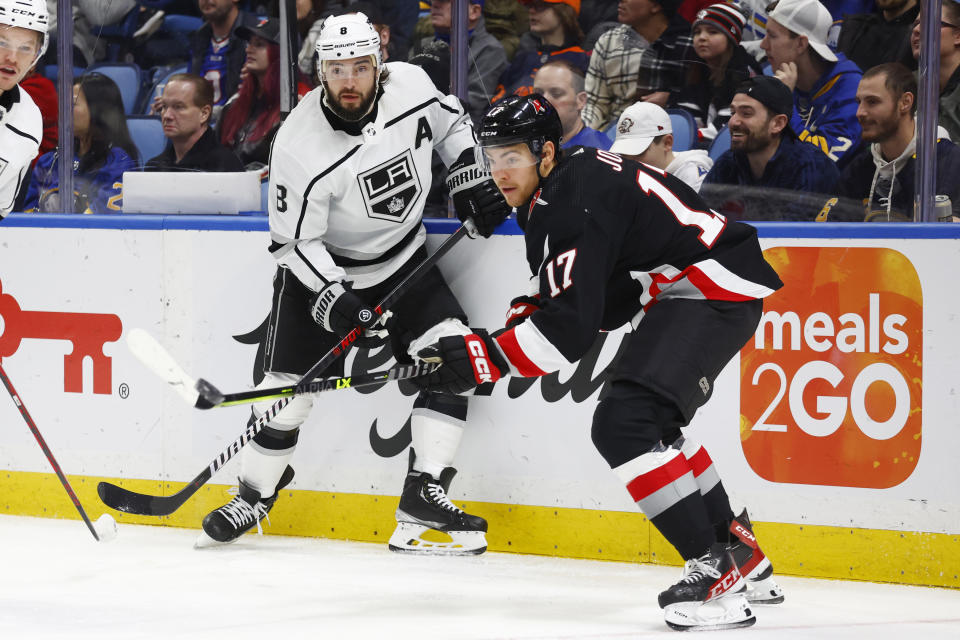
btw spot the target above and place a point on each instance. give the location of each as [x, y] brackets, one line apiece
[28, 14]
[343, 37]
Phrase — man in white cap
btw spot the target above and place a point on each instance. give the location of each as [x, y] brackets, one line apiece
[824, 83]
[23, 39]
[644, 134]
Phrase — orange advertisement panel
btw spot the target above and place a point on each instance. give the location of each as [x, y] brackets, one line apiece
[831, 385]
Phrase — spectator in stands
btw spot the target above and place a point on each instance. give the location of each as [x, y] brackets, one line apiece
[562, 84]
[103, 151]
[645, 134]
[883, 35]
[596, 17]
[44, 94]
[824, 84]
[252, 116]
[554, 34]
[216, 51]
[882, 175]
[307, 58]
[764, 150]
[949, 65]
[645, 58]
[506, 20]
[487, 57]
[720, 67]
[88, 16]
[185, 111]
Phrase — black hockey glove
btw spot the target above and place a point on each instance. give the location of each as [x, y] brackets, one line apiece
[475, 195]
[468, 361]
[338, 310]
[520, 308]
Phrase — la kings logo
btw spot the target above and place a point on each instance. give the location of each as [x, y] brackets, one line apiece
[391, 189]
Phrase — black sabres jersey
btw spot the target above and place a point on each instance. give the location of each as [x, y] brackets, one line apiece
[607, 238]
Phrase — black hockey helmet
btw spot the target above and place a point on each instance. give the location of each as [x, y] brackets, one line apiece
[530, 119]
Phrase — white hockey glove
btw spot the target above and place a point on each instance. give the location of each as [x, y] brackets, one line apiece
[339, 310]
[475, 195]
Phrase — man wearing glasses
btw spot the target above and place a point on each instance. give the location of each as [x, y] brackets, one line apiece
[949, 65]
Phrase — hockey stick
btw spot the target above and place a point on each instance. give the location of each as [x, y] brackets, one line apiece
[132, 502]
[46, 451]
[203, 395]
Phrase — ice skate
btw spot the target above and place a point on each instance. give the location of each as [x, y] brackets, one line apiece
[753, 564]
[709, 596]
[232, 520]
[424, 506]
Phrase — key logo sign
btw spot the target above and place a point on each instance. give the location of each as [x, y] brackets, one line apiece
[831, 384]
[88, 332]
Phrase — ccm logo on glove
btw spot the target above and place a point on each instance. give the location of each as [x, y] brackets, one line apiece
[481, 365]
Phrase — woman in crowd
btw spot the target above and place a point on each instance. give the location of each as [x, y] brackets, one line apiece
[721, 65]
[251, 117]
[102, 147]
[554, 35]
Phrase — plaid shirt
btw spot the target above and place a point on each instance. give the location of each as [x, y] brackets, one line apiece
[624, 66]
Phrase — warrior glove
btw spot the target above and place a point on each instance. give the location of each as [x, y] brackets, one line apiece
[339, 310]
[467, 362]
[475, 195]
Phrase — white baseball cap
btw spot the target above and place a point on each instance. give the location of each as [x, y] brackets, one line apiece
[638, 125]
[806, 18]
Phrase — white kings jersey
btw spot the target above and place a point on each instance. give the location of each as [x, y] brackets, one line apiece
[350, 206]
[21, 128]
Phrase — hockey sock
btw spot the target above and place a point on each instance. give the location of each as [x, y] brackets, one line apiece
[662, 484]
[437, 425]
[711, 488]
[263, 461]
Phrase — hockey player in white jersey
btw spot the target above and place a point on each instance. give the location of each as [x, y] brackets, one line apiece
[23, 39]
[349, 173]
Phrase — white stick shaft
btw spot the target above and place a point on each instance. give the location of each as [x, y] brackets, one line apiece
[152, 354]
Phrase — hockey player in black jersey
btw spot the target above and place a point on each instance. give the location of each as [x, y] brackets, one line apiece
[611, 241]
[349, 172]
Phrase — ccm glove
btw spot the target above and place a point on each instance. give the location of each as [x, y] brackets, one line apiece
[475, 195]
[467, 362]
[338, 310]
[520, 308]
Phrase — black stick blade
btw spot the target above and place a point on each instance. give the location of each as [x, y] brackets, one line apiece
[209, 396]
[140, 503]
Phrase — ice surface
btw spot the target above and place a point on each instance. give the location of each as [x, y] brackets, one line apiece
[57, 582]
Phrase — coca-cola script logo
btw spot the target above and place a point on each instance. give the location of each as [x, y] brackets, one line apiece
[88, 332]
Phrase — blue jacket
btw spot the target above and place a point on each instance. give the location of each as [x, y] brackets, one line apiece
[794, 165]
[826, 117]
[517, 79]
[588, 138]
[98, 191]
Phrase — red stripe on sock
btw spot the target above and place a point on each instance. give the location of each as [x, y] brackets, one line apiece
[656, 479]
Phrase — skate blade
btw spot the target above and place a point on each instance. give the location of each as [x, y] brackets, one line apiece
[408, 538]
[727, 612]
[765, 591]
[204, 541]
